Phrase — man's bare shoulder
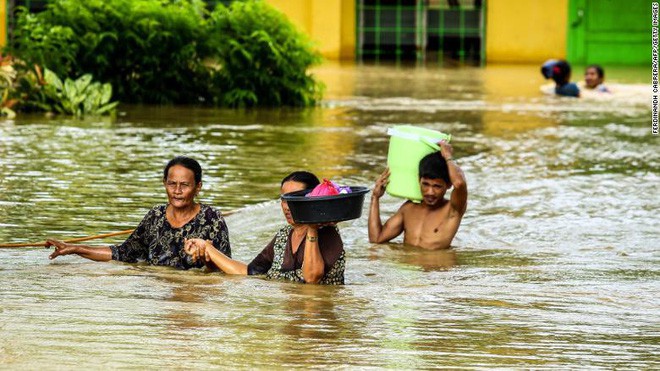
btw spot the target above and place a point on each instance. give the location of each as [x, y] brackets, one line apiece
[408, 205]
[411, 209]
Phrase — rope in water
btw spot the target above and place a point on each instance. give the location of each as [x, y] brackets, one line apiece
[80, 239]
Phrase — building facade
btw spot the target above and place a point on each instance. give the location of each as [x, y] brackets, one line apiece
[466, 31]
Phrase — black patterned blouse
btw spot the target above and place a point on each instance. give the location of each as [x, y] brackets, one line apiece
[277, 260]
[158, 243]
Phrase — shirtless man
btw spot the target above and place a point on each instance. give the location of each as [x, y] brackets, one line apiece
[432, 223]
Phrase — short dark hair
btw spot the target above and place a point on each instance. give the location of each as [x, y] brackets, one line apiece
[434, 166]
[305, 177]
[599, 70]
[561, 72]
[188, 163]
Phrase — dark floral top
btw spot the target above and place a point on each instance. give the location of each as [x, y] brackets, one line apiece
[158, 243]
[277, 260]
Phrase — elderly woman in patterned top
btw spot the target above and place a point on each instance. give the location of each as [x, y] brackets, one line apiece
[299, 252]
[160, 236]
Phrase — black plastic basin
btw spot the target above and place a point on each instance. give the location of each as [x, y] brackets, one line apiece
[325, 209]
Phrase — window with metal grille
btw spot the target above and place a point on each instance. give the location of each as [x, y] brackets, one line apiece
[420, 29]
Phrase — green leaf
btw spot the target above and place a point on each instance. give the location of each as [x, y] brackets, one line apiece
[52, 79]
[83, 82]
[106, 108]
[106, 93]
[6, 111]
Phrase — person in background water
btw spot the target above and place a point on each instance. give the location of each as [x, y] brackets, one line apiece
[560, 72]
[159, 238]
[594, 76]
[306, 253]
[433, 223]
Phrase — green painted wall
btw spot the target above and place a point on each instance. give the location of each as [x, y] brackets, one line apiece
[609, 32]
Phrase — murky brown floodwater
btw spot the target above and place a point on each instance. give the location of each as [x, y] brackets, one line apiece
[555, 265]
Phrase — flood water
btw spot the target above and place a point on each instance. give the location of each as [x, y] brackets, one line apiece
[555, 264]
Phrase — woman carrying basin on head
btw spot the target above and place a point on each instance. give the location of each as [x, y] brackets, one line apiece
[306, 253]
[159, 238]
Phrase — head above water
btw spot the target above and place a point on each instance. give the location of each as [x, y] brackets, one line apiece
[305, 177]
[433, 179]
[296, 181]
[546, 68]
[594, 76]
[557, 70]
[434, 166]
[186, 162]
[561, 73]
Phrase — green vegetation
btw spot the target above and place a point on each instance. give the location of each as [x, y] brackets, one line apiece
[263, 58]
[33, 91]
[7, 77]
[162, 52]
[78, 97]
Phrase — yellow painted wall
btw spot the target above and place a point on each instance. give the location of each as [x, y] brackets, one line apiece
[326, 27]
[298, 12]
[348, 29]
[329, 23]
[3, 22]
[524, 31]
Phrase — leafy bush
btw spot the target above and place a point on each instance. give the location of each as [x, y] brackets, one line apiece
[79, 97]
[37, 91]
[173, 51]
[263, 58]
[147, 49]
[39, 41]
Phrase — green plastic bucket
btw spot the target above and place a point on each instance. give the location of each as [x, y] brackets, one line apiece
[408, 145]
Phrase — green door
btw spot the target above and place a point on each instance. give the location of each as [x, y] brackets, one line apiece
[609, 31]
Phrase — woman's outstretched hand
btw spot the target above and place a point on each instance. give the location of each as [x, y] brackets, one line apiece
[61, 248]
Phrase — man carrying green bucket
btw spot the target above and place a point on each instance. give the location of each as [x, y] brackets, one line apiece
[433, 221]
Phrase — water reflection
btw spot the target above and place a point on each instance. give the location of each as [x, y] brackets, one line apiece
[188, 291]
[311, 313]
[427, 260]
